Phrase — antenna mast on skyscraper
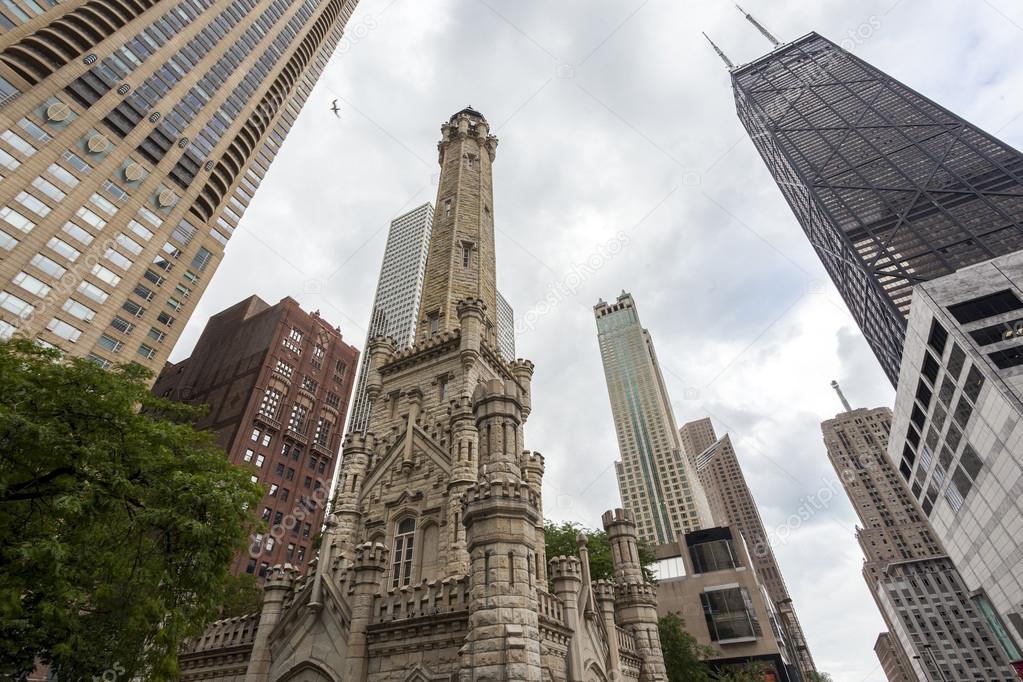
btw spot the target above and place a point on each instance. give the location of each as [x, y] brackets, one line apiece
[841, 396]
[724, 57]
[760, 27]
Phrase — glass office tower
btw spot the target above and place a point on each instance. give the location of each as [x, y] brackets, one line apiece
[890, 188]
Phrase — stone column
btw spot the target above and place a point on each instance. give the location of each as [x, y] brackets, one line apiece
[464, 454]
[532, 471]
[471, 316]
[522, 370]
[279, 582]
[369, 567]
[355, 454]
[500, 514]
[604, 593]
[567, 576]
[635, 599]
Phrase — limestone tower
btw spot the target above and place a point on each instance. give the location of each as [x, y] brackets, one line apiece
[432, 565]
[461, 264]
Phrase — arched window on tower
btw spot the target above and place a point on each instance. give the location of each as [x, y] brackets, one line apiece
[401, 566]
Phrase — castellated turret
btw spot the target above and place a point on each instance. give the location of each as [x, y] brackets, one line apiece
[500, 515]
[635, 599]
[432, 563]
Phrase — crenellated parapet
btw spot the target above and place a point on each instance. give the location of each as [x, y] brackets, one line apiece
[604, 592]
[380, 349]
[566, 574]
[498, 417]
[631, 594]
[468, 124]
[428, 598]
[370, 561]
[500, 496]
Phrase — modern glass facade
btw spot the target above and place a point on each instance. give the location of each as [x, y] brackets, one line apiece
[656, 481]
[890, 188]
[133, 135]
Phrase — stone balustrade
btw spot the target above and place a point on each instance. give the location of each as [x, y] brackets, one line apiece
[626, 640]
[550, 607]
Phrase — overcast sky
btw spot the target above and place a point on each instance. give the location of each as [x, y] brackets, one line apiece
[622, 165]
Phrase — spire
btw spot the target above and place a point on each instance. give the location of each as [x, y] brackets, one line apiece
[724, 57]
[841, 396]
[763, 31]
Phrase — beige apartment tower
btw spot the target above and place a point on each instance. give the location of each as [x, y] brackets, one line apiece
[731, 503]
[657, 483]
[133, 134]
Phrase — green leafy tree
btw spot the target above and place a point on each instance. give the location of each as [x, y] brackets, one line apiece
[561, 539]
[120, 519]
[683, 656]
[819, 677]
[242, 596]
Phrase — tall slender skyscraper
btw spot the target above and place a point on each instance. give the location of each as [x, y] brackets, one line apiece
[935, 630]
[132, 137]
[657, 483]
[890, 188]
[731, 503]
[399, 290]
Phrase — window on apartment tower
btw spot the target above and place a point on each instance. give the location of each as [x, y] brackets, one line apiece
[297, 420]
[271, 403]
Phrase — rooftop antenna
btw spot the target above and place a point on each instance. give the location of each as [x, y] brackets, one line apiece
[760, 27]
[724, 57]
[841, 396]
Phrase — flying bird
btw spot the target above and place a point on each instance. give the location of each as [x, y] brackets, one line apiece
[335, 109]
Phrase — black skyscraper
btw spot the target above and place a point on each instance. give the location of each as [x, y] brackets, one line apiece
[890, 188]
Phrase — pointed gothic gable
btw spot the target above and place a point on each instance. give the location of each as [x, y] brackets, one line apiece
[424, 450]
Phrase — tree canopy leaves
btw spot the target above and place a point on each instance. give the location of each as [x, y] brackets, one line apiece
[561, 539]
[120, 519]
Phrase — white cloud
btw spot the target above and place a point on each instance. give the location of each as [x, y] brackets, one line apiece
[616, 116]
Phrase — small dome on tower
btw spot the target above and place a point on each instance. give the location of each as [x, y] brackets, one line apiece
[470, 112]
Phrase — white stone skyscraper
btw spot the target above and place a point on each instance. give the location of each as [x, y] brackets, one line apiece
[935, 629]
[505, 328]
[657, 482]
[399, 289]
[957, 431]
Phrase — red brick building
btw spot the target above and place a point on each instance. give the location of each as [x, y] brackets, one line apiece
[277, 381]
